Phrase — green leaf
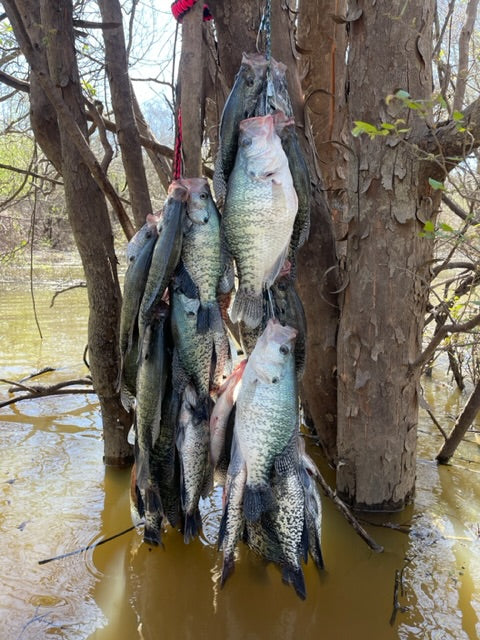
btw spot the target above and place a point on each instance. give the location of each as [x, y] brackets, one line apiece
[446, 227]
[429, 227]
[436, 185]
[364, 127]
[388, 126]
[402, 95]
[457, 116]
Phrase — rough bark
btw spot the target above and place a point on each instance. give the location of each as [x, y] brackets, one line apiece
[46, 31]
[122, 102]
[462, 424]
[386, 269]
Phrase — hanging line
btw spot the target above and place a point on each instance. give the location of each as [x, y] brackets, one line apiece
[266, 28]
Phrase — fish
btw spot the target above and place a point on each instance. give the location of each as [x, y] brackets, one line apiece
[151, 384]
[288, 517]
[285, 128]
[226, 398]
[166, 254]
[313, 505]
[233, 519]
[274, 95]
[266, 412]
[193, 443]
[202, 258]
[240, 104]
[138, 241]
[258, 217]
[193, 358]
[289, 311]
[134, 285]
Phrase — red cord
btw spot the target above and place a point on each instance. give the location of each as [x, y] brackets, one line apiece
[181, 7]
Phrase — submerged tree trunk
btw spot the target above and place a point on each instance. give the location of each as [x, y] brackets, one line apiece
[462, 424]
[387, 264]
[45, 32]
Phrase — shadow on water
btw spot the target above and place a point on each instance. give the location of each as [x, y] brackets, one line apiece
[56, 496]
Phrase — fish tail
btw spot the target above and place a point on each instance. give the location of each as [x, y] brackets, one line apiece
[192, 526]
[228, 568]
[294, 576]
[247, 307]
[153, 516]
[222, 530]
[256, 500]
[209, 317]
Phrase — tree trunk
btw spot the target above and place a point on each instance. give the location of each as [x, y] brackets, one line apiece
[85, 203]
[120, 88]
[462, 424]
[386, 270]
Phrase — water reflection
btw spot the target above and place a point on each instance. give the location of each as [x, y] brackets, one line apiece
[56, 496]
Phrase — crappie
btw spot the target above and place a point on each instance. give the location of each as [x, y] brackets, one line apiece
[233, 519]
[193, 442]
[151, 384]
[289, 311]
[285, 128]
[201, 254]
[266, 412]
[136, 244]
[166, 254]
[240, 104]
[259, 213]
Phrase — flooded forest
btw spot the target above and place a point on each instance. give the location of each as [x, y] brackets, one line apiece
[239, 366]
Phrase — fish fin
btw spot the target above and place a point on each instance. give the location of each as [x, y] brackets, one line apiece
[184, 281]
[209, 317]
[126, 398]
[207, 485]
[277, 266]
[304, 542]
[294, 576]
[256, 500]
[247, 307]
[222, 530]
[228, 568]
[316, 552]
[284, 464]
[192, 526]
[227, 278]
[153, 517]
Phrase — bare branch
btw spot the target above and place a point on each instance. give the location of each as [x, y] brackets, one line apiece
[463, 45]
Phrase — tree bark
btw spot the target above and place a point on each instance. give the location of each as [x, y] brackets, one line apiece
[46, 30]
[386, 269]
[462, 424]
[122, 102]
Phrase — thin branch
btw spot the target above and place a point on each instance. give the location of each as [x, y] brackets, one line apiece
[463, 46]
[458, 211]
[27, 172]
[33, 396]
[73, 286]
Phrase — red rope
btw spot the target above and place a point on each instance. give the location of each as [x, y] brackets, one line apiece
[181, 7]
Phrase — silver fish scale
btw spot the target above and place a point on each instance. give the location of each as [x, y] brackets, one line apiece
[201, 254]
[194, 349]
[266, 419]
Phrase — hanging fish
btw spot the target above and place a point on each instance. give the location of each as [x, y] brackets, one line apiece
[151, 384]
[240, 104]
[166, 254]
[193, 442]
[266, 412]
[259, 213]
[202, 260]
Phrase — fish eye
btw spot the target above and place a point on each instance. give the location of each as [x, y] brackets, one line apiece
[274, 380]
[250, 81]
[190, 314]
[246, 142]
[203, 196]
[284, 349]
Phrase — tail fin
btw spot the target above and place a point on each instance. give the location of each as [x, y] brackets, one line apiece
[209, 317]
[192, 526]
[153, 517]
[247, 307]
[228, 568]
[294, 576]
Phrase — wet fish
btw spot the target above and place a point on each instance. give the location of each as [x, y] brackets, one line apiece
[134, 286]
[142, 236]
[240, 104]
[266, 412]
[166, 254]
[227, 396]
[151, 384]
[313, 505]
[193, 443]
[202, 258]
[259, 213]
[285, 128]
[233, 519]
[194, 352]
[274, 95]
[289, 311]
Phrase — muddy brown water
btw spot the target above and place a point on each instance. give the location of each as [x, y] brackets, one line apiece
[56, 496]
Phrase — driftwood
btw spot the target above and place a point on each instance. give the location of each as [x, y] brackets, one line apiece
[463, 423]
[41, 391]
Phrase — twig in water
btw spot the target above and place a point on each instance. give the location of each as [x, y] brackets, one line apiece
[398, 587]
[80, 285]
[89, 546]
[38, 373]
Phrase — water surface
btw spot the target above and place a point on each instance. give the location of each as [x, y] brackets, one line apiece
[56, 496]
